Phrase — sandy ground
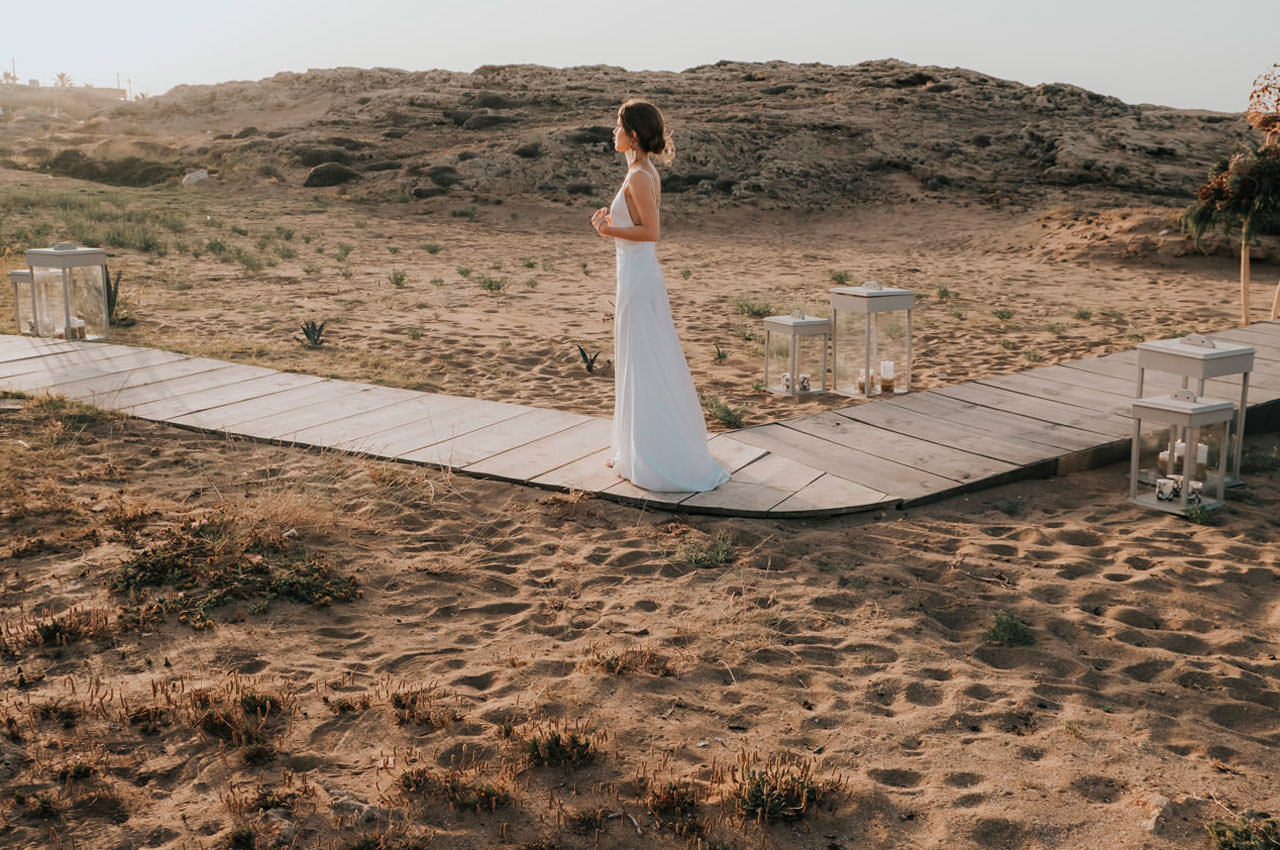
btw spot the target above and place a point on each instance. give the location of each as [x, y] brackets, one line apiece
[490, 616]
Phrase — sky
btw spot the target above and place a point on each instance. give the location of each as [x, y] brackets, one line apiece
[1173, 52]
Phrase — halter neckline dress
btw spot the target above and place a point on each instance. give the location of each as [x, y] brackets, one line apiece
[659, 437]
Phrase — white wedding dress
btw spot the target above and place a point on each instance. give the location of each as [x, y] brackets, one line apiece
[659, 436]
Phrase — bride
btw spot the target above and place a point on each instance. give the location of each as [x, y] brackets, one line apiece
[659, 437]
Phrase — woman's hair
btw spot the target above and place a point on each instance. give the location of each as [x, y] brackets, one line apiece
[644, 120]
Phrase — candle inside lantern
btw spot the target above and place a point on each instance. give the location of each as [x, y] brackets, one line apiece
[886, 375]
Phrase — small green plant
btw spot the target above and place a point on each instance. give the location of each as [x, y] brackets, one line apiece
[1004, 314]
[1200, 515]
[285, 233]
[432, 247]
[1113, 315]
[1032, 355]
[839, 277]
[748, 306]
[781, 789]
[529, 263]
[531, 283]
[588, 361]
[1249, 832]
[586, 271]
[468, 212]
[1055, 328]
[1082, 314]
[312, 334]
[398, 278]
[455, 789]
[311, 269]
[686, 273]
[721, 355]
[1008, 344]
[702, 556]
[1009, 630]
[944, 293]
[346, 271]
[415, 333]
[491, 284]
[465, 271]
[723, 413]
[393, 249]
[239, 231]
[437, 282]
[561, 747]
[956, 314]
[344, 251]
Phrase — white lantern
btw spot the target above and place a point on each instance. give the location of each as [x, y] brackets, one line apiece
[871, 339]
[69, 291]
[23, 301]
[1200, 358]
[1180, 451]
[795, 353]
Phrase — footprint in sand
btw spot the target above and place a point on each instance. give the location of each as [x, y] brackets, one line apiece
[1098, 789]
[1145, 671]
[918, 693]
[963, 780]
[896, 778]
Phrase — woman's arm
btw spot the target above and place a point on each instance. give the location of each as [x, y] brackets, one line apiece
[643, 204]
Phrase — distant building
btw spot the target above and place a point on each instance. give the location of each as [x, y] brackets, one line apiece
[35, 84]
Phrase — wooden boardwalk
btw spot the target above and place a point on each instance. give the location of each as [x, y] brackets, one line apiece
[893, 452]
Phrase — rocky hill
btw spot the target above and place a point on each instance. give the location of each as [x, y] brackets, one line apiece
[769, 134]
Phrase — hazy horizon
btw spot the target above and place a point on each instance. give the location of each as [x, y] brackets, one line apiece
[1141, 51]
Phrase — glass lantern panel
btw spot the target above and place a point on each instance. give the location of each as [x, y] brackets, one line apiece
[889, 351]
[88, 303]
[777, 354]
[850, 365]
[1162, 474]
[50, 303]
[811, 364]
[22, 310]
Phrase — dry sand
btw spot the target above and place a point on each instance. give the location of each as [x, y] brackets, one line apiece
[489, 615]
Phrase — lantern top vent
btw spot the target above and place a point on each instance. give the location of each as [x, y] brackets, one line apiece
[66, 255]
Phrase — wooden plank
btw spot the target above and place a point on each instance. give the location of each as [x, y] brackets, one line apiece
[948, 462]
[438, 418]
[261, 382]
[587, 473]
[509, 433]
[228, 416]
[626, 492]
[48, 364]
[859, 467]
[149, 383]
[541, 456]
[828, 494]
[74, 365]
[353, 433]
[757, 487]
[348, 399]
[179, 385]
[1096, 400]
[733, 454]
[945, 432]
[998, 422]
[1037, 408]
[112, 374]
[25, 350]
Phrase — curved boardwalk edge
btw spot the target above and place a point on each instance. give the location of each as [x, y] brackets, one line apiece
[895, 452]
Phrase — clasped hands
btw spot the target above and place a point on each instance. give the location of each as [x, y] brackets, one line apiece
[600, 218]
